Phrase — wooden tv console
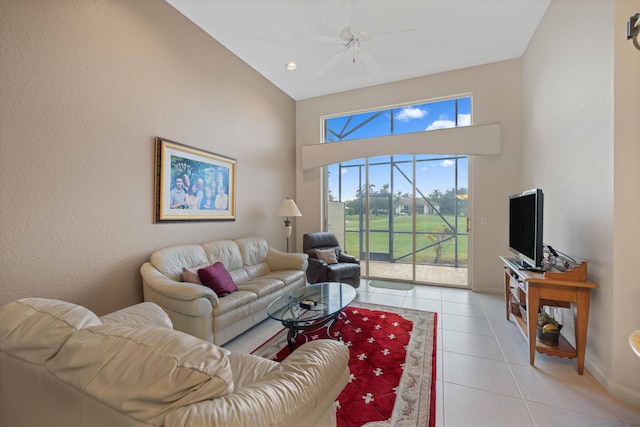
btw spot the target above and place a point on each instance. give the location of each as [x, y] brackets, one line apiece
[552, 288]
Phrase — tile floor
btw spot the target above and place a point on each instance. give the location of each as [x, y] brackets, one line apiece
[483, 372]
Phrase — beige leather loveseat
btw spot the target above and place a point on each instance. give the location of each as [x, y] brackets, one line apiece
[261, 274]
[62, 366]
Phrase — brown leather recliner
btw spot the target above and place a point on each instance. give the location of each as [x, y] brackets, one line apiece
[345, 269]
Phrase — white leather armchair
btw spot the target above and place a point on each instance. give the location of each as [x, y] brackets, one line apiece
[61, 365]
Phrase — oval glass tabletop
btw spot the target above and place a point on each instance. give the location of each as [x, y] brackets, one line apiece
[312, 303]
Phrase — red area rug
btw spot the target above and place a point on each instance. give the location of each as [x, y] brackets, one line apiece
[392, 363]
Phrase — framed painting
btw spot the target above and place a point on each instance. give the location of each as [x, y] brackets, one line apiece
[193, 184]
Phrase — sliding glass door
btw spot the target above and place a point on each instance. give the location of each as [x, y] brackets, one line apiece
[404, 216]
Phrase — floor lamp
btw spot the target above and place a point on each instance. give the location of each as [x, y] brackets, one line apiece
[287, 209]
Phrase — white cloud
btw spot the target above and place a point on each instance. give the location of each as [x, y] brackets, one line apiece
[443, 122]
[447, 163]
[464, 119]
[410, 113]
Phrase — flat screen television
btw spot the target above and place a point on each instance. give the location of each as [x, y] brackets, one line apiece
[525, 227]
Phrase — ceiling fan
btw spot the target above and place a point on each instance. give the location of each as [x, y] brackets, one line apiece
[352, 42]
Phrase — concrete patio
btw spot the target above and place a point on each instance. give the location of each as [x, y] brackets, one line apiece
[425, 274]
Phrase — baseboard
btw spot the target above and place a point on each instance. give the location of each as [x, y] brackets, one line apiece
[619, 392]
[488, 290]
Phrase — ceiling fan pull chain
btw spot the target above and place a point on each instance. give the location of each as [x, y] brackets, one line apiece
[355, 44]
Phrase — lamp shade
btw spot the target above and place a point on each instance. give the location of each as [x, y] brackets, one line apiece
[288, 208]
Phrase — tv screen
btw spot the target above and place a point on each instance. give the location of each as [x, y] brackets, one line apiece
[525, 227]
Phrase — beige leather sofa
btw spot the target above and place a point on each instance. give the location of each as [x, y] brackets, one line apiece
[261, 273]
[62, 366]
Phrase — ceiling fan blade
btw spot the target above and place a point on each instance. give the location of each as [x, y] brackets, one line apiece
[370, 62]
[388, 33]
[346, 34]
[316, 38]
[331, 62]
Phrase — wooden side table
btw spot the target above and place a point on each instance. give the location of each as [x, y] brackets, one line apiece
[549, 289]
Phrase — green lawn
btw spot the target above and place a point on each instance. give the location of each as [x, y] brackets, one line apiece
[402, 243]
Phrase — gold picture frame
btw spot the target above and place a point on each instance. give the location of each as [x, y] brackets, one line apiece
[210, 178]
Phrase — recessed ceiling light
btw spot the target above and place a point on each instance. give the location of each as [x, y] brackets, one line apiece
[291, 66]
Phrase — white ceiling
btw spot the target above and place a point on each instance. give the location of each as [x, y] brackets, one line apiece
[445, 35]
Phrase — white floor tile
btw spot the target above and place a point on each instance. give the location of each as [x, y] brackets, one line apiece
[434, 306]
[628, 413]
[429, 292]
[466, 407]
[559, 366]
[495, 311]
[267, 327]
[386, 291]
[551, 416]
[480, 373]
[491, 299]
[579, 393]
[459, 295]
[460, 309]
[506, 329]
[515, 351]
[439, 404]
[244, 344]
[471, 344]
[382, 299]
[471, 325]
[362, 295]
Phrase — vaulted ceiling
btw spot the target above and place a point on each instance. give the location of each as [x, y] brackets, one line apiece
[340, 45]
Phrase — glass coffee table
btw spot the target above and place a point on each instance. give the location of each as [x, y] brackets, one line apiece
[312, 307]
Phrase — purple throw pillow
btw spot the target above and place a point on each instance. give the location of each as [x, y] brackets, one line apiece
[218, 279]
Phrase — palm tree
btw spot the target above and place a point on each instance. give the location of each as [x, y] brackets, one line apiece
[435, 196]
[397, 202]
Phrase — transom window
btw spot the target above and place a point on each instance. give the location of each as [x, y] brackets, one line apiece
[428, 116]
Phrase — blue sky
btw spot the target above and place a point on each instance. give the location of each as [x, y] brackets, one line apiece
[408, 119]
[437, 173]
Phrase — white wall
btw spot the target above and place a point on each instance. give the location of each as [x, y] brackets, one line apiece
[86, 86]
[626, 176]
[495, 89]
[571, 140]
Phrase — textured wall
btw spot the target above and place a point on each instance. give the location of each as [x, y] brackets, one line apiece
[85, 88]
